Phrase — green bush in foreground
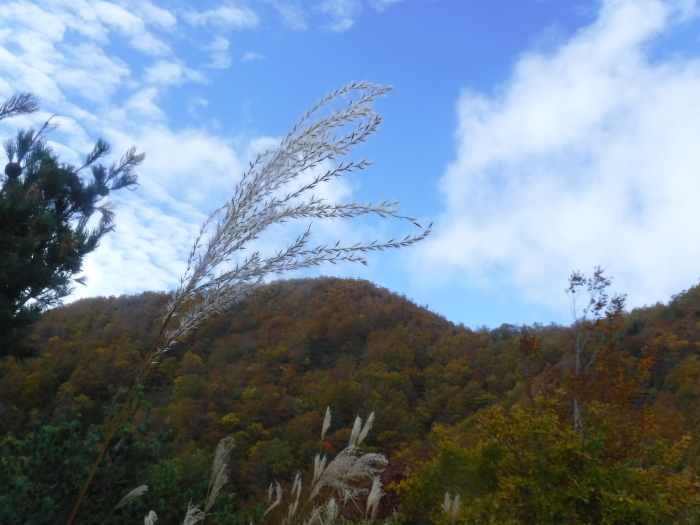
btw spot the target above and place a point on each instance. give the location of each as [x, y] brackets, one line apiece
[528, 466]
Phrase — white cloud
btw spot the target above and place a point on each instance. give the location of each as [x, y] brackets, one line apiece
[185, 174]
[144, 103]
[56, 49]
[219, 51]
[131, 27]
[87, 70]
[153, 14]
[224, 17]
[171, 73]
[105, 67]
[588, 155]
[381, 5]
[292, 14]
[249, 56]
[146, 247]
[342, 13]
[192, 165]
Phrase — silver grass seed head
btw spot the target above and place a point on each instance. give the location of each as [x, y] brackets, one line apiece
[194, 515]
[375, 494]
[219, 471]
[326, 423]
[138, 491]
[314, 517]
[447, 502]
[296, 486]
[355, 434]
[366, 429]
[218, 276]
[456, 505]
[278, 497]
[319, 467]
[331, 510]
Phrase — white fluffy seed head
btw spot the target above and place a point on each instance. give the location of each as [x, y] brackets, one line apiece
[280, 187]
[355, 434]
[194, 515]
[326, 423]
[375, 494]
[219, 470]
[138, 491]
[366, 429]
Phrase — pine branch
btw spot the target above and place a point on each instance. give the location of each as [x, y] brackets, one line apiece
[19, 104]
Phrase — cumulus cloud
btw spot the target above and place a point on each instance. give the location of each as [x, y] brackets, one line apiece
[588, 155]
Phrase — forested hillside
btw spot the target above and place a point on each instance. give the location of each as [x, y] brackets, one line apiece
[483, 414]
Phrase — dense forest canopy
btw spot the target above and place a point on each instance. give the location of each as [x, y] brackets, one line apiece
[485, 414]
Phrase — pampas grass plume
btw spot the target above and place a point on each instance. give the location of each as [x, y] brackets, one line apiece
[375, 494]
[451, 506]
[279, 187]
[194, 515]
[138, 491]
[365, 429]
[219, 470]
[326, 423]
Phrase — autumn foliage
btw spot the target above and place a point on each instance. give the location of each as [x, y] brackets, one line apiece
[484, 414]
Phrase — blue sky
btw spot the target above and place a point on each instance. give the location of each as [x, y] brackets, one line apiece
[538, 136]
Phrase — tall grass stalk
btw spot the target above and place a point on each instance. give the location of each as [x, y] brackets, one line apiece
[278, 187]
[451, 506]
[333, 486]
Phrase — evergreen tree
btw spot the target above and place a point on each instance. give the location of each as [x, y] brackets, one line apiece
[45, 208]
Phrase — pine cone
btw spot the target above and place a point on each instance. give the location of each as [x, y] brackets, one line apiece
[13, 170]
[103, 191]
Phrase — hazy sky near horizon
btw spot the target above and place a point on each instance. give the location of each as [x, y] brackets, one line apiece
[538, 136]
